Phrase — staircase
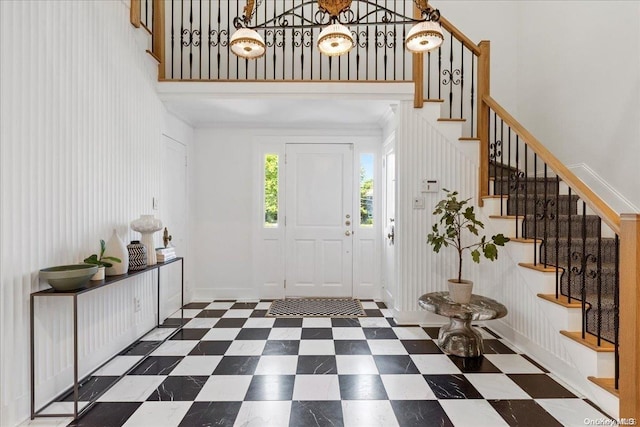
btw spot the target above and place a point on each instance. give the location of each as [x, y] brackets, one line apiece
[570, 240]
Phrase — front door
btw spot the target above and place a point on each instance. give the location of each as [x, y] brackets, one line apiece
[319, 220]
[390, 225]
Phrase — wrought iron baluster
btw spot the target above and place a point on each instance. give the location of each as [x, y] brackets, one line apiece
[545, 234]
[181, 44]
[439, 71]
[518, 177]
[535, 208]
[209, 41]
[568, 272]
[200, 46]
[583, 272]
[599, 281]
[526, 189]
[557, 235]
[190, 39]
[616, 311]
[173, 35]
[450, 76]
[502, 174]
[461, 80]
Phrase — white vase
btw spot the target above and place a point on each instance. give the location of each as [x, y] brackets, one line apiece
[146, 225]
[460, 292]
[115, 247]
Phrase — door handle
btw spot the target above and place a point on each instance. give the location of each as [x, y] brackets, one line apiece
[391, 236]
[348, 233]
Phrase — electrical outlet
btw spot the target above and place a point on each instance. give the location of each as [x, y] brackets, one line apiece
[418, 203]
[136, 305]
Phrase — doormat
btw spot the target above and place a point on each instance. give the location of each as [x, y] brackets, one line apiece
[316, 307]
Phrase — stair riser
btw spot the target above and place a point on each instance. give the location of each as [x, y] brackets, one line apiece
[590, 362]
[537, 205]
[530, 186]
[566, 254]
[547, 228]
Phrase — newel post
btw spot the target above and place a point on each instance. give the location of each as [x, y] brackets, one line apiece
[418, 70]
[484, 89]
[157, 42]
[629, 334]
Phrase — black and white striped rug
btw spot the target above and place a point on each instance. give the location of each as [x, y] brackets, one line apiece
[318, 307]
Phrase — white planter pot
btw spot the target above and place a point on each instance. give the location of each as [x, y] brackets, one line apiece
[99, 274]
[460, 292]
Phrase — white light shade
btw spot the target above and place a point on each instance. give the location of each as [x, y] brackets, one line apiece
[424, 36]
[247, 43]
[335, 40]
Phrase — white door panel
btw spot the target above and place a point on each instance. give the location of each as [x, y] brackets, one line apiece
[390, 214]
[173, 205]
[319, 220]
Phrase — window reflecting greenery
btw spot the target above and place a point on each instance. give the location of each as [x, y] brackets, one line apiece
[366, 190]
[271, 190]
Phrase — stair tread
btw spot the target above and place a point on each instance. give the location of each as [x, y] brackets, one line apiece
[561, 300]
[590, 341]
[444, 119]
[609, 384]
[540, 267]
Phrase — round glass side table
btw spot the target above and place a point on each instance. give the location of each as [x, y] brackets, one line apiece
[459, 338]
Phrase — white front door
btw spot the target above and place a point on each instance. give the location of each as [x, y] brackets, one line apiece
[319, 220]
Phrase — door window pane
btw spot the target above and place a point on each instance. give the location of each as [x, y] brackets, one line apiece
[271, 190]
[366, 190]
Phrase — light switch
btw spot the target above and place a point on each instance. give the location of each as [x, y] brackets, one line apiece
[418, 203]
[155, 203]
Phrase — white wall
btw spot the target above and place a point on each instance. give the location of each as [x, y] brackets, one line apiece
[579, 84]
[569, 71]
[79, 155]
[494, 21]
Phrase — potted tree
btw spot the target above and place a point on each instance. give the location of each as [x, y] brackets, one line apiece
[456, 218]
[101, 261]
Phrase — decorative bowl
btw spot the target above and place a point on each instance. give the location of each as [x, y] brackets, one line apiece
[68, 277]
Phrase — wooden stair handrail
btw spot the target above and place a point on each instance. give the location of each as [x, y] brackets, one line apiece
[603, 210]
[459, 35]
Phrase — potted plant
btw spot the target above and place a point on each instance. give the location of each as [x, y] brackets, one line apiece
[101, 261]
[456, 218]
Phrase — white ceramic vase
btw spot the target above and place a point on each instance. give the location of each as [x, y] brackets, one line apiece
[460, 292]
[146, 225]
[115, 247]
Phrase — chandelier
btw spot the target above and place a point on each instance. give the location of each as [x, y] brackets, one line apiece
[334, 17]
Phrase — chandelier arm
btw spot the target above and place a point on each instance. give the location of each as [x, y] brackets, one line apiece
[322, 18]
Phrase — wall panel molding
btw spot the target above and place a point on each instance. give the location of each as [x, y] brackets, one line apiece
[79, 156]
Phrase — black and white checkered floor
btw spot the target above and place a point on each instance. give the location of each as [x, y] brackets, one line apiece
[232, 366]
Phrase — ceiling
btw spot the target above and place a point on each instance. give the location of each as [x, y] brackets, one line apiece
[280, 112]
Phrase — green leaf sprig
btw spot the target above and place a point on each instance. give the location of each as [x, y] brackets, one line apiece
[101, 261]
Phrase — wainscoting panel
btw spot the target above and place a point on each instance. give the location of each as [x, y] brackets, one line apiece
[80, 135]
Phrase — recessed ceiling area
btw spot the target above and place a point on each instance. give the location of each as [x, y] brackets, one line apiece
[280, 112]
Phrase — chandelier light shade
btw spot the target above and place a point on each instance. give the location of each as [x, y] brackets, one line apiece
[335, 39]
[247, 43]
[424, 36]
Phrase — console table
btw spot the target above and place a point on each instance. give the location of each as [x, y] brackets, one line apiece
[92, 286]
[459, 337]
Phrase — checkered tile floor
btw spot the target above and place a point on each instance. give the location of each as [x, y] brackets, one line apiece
[232, 366]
